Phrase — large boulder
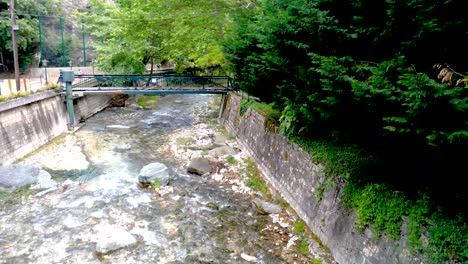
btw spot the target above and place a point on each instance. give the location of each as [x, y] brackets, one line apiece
[154, 172]
[199, 166]
[222, 151]
[16, 176]
[113, 240]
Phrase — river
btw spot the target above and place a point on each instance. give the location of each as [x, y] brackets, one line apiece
[194, 219]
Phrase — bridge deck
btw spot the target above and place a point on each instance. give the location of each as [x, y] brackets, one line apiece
[151, 84]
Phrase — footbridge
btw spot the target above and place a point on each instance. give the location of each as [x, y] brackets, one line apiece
[150, 84]
[76, 85]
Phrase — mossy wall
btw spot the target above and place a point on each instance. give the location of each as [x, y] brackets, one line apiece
[299, 180]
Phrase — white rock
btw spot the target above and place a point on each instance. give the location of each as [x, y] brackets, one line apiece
[217, 177]
[113, 240]
[39, 194]
[151, 172]
[69, 182]
[15, 176]
[44, 181]
[248, 258]
[118, 126]
[292, 241]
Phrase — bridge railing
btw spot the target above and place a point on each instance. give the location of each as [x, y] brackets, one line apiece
[167, 81]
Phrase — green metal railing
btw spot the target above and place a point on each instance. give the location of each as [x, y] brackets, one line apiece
[151, 84]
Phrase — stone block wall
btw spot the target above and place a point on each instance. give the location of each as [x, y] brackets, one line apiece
[89, 105]
[30, 122]
[290, 170]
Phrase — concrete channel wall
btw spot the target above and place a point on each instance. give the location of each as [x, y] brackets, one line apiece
[28, 123]
[290, 170]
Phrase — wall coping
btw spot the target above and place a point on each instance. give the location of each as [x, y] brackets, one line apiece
[17, 102]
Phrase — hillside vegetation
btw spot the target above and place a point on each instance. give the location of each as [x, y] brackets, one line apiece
[377, 90]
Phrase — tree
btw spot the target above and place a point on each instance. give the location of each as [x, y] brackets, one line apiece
[27, 36]
[133, 33]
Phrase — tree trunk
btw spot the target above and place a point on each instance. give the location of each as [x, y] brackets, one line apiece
[152, 65]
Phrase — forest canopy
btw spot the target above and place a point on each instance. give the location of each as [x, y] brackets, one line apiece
[362, 72]
[132, 34]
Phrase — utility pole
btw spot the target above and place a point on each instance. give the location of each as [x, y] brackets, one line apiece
[14, 28]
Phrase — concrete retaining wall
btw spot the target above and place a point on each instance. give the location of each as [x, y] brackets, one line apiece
[30, 122]
[291, 171]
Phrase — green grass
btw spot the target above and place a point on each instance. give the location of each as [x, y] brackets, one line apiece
[49, 86]
[13, 96]
[231, 160]
[254, 178]
[148, 101]
[304, 247]
[316, 261]
[156, 183]
[281, 202]
[299, 226]
[183, 141]
[11, 198]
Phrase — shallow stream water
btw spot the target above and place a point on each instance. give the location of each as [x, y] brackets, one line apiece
[193, 220]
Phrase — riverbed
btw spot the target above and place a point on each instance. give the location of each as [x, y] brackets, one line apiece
[194, 219]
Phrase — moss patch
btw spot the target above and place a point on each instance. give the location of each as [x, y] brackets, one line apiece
[148, 101]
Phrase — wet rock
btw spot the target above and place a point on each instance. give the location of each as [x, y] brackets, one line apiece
[44, 181]
[118, 100]
[113, 240]
[152, 172]
[69, 183]
[197, 154]
[201, 147]
[40, 194]
[220, 140]
[15, 176]
[221, 151]
[248, 258]
[212, 205]
[264, 207]
[199, 166]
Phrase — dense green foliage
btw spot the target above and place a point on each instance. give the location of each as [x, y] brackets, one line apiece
[134, 33]
[359, 75]
[27, 35]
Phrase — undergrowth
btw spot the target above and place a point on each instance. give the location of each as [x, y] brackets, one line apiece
[430, 232]
[254, 178]
[8, 198]
[265, 109]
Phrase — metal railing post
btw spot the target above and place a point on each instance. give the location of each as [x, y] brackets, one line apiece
[67, 77]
